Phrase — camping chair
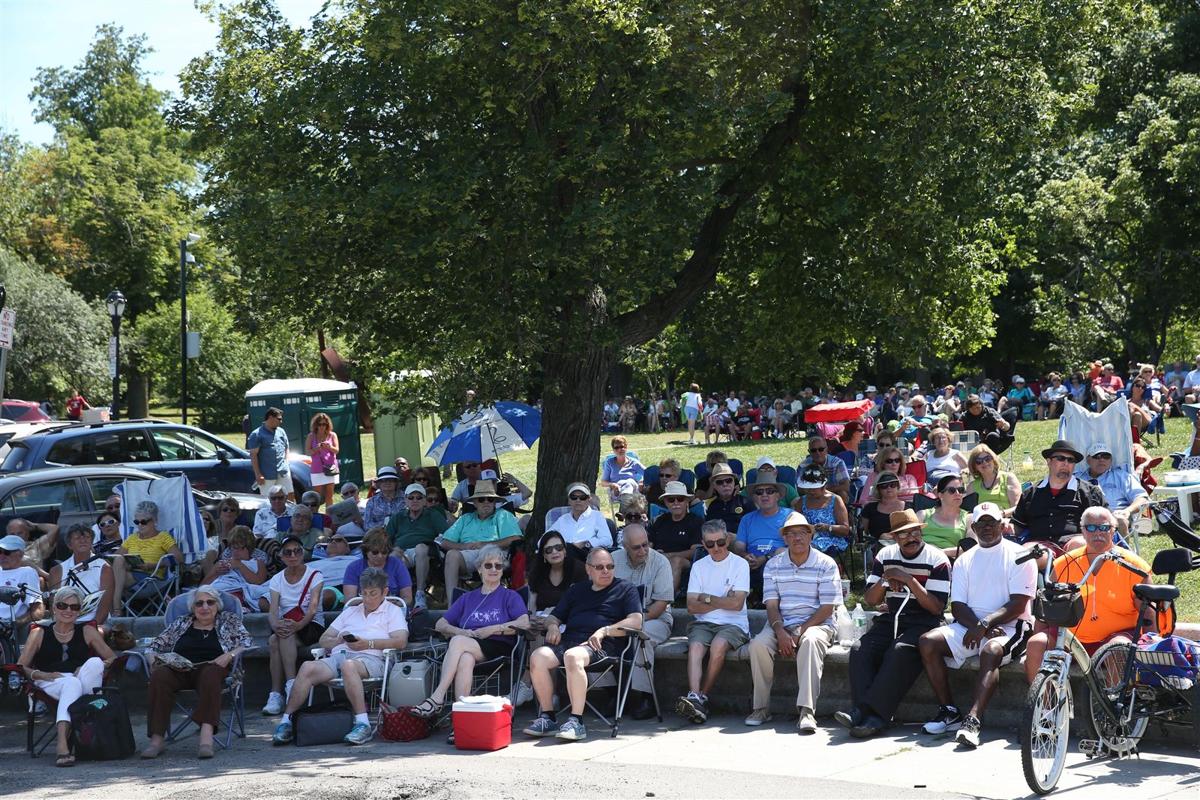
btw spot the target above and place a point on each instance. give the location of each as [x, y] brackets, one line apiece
[620, 669]
[236, 724]
[863, 459]
[686, 475]
[489, 675]
[150, 596]
[373, 688]
[655, 511]
[964, 441]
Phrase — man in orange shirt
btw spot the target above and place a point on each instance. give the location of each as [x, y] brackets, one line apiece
[1110, 609]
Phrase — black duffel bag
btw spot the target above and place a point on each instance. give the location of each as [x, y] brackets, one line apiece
[100, 729]
[323, 724]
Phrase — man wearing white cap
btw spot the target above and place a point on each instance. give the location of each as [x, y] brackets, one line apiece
[767, 468]
[412, 533]
[989, 600]
[14, 573]
[801, 588]
[1123, 492]
[582, 526]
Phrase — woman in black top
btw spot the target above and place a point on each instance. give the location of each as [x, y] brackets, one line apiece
[554, 569]
[209, 638]
[876, 515]
[66, 660]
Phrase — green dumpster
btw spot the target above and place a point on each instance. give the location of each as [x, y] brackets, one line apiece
[303, 398]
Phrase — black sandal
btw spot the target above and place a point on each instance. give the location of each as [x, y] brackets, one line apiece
[428, 708]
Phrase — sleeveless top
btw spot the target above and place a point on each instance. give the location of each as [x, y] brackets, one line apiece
[54, 656]
[938, 466]
[89, 576]
[824, 541]
[940, 535]
[323, 458]
[998, 494]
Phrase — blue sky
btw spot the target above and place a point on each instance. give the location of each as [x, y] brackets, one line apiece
[52, 33]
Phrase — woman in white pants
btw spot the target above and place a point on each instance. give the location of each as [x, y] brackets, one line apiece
[66, 660]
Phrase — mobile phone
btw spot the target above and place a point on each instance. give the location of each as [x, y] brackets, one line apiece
[349, 637]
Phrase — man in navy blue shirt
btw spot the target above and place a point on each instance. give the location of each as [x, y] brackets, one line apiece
[593, 614]
[268, 446]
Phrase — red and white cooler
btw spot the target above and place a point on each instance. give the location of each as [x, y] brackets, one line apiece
[483, 722]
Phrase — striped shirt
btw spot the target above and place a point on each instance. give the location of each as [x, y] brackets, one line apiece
[802, 590]
[930, 567]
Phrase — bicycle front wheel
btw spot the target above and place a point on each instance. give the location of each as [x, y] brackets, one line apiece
[1044, 732]
[1111, 704]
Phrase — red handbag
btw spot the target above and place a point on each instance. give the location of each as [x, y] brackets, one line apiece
[399, 724]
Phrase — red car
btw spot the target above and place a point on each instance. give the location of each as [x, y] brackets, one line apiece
[22, 411]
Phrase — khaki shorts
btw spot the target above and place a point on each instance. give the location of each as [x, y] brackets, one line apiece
[705, 632]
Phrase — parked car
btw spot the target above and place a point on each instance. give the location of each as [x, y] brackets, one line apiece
[64, 496]
[211, 463]
[22, 411]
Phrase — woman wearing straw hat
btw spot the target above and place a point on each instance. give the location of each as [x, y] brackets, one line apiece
[676, 533]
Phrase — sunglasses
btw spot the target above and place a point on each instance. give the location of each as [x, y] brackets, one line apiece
[141, 521]
[761, 492]
[954, 490]
[816, 449]
[554, 548]
[491, 565]
[982, 459]
[603, 567]
[891, 461]
[68, 607]
[724, 482]
[108, 522]
[715, 545]
[1093, 527]
[664, 476]
[421, 479]
[470, 466]
[1062, 458]
[292, 551]
[675, 500]
[377, 552]
[278, 497]
[10, 552]
[208, 602]
[578, 497]
[490, 500]
[1103, 456]
[415, 496]
[313, 505]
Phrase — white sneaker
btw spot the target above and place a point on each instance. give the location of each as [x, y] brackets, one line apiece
[524, 694]
[287, 689]
[420, 601]
[274, 705]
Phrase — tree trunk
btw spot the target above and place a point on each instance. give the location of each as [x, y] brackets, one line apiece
[569, 448]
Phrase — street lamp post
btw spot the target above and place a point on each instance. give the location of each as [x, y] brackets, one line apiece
[185, 258]
[115, 302]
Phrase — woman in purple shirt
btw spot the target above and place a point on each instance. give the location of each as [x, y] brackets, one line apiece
[481, 625]
[376, 551]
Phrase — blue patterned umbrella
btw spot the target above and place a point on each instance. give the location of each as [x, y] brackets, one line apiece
[485, 433]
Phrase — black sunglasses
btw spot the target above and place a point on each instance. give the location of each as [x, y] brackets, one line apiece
[554, 548]
[141, 521]
[68, 606]
[717, 545]
[578, 497]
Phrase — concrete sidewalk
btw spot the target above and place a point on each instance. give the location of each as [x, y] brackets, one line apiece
[721, 759]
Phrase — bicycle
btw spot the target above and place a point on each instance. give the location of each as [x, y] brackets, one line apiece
[1123, 690]
[10, 647]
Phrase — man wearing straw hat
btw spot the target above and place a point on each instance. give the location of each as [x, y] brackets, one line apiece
[487, 524]
[914, 578]
[676, 534]
[758, 536]
[801, 588]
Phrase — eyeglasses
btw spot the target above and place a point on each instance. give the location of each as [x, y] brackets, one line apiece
[491, 565]
[620, 447]
[415, 496]
[1094, 527]
[313, 505]
[209, 602]
[761, 492]
[642, 546]
[954, 490]
[667, 477]
[1103, 456]
[578, 497]
[715, 545]
[603, 567]
[291, 551]
[891, 461]
[421, 479]
[816, 449]
[108, 522]
[141, 521]
[723, 482]
[908, 534]
[982, 459]
[554, 548]
[675, 500]
[68, 607]
[490, 500]
[1062, 458]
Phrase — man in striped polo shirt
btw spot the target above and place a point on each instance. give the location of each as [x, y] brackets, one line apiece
[915, 579]
[801, 588]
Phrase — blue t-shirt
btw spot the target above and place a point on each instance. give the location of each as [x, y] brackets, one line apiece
[613, 473]
[475, 610]
[398, 577]
[760, 533]
[272, 450]
[584, 611]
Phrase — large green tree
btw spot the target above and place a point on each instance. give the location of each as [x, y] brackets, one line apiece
[501, 189]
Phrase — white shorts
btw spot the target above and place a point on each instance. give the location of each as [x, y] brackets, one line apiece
[284, 480]
[411, 553]
[372, 662]
[1016, 634]
[319, 478]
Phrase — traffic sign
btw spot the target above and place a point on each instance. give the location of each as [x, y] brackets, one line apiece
[8, 321]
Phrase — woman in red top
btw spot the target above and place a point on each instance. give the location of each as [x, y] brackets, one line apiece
[76, 405]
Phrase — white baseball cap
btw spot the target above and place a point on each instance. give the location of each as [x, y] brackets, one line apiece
[764, 460]
[415, 488]
[986, 510]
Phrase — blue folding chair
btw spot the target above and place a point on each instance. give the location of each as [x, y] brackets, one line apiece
[236, 724]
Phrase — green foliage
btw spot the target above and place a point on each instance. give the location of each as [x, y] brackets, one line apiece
[61, 339]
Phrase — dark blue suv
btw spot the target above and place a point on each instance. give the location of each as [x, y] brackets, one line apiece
[211, 463]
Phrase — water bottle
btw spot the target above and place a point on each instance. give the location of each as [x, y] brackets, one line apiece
[845, 626]
[860, 621]
[1027, 462]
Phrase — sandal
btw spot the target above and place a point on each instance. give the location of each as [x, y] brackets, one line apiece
[428, 708]
[65, 760]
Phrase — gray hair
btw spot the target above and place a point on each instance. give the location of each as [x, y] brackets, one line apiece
[63, 592]
[372, 578]
[209, 590]
[147, 507]
[713, 526]
[490, 551]
[632, 504]
[633, 527]
[597, 551]
[1097, 514]
[302, 511]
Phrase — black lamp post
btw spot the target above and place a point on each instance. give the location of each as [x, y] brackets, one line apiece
[115, 302]
[185, 258]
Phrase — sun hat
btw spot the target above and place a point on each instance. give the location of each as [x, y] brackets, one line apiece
[900, 521]
[485, 489]
[676, 489]
[813, 477]
[795, 520]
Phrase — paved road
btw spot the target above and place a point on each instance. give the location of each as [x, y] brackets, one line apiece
[723, 759]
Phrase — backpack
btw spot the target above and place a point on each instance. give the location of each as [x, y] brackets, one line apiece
[1167, 661]
[100, 729]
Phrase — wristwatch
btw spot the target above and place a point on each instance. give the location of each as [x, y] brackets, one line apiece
[706, 598]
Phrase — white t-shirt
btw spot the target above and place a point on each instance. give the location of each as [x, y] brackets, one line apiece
[692, 400]
[591, 527]
[1192, 379]
[378, 625]
[14, 578]
[733, 404]
[717, 578]
[289, 593]
[984, 577]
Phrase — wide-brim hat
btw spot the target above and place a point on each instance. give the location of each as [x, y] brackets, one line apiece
[485, 489]
[765, 478]
[1062, 446]
[901, 521]
[676, 489]
[795, 520]
[811, 478]
[387, 474]
[721, 470]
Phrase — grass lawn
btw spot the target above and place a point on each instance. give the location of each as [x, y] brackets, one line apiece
[1032, 437]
